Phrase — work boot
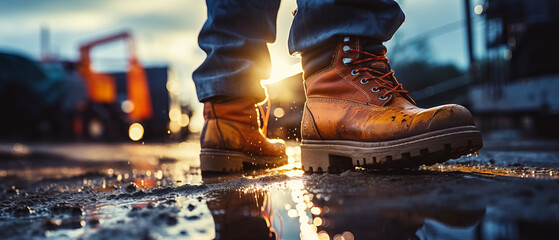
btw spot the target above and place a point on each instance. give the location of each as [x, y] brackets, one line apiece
[358, 115]
[232, 136]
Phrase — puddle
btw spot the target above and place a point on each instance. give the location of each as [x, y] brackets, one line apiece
[512, 164]
[488, 170]
[168, 198]
[276, 207]
[171, 217]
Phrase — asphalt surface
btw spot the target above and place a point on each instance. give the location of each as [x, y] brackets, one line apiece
[156, 191]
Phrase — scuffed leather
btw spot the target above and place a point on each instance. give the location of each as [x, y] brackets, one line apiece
[338, 119]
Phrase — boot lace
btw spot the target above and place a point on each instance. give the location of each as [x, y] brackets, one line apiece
[265, 114]
[386, 80]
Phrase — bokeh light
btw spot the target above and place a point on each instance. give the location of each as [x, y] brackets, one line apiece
[136, 131]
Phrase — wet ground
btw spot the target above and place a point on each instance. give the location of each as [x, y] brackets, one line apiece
[155, 191]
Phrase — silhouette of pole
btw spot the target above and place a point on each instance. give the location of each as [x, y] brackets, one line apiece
[469, 36]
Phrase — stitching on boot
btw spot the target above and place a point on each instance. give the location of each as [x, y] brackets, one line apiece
[239, 134]
[432, 116]
[313, 125]
[203, 134]
[217, 125]
[354, 85]
[326, 69]
[344, 102]
[221, 144]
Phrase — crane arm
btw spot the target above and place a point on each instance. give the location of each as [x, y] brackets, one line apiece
[86, 47]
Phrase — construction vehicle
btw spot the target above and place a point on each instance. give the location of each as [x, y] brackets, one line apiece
[520, 77]
[69, 100]
[101, 116]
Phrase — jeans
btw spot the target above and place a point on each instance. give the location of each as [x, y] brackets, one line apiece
[235, 34]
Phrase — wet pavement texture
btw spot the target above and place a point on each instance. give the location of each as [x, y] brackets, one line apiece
[156, 191]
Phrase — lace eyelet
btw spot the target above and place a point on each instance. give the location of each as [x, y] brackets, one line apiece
[346, 49]
[347, 61]
[354, 72]
[375, 89]
[382, 98]
[364, 81]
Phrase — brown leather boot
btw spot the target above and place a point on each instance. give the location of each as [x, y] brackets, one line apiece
[232, 136]
[358, 115]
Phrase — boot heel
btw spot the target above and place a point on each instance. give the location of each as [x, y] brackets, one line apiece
[220, 161]
[320, 160]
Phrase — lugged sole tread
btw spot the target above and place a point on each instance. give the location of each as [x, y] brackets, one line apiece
[436, 147]
[225, 161]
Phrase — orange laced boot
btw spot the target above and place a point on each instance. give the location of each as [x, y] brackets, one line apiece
[358, 115]
[232, 137]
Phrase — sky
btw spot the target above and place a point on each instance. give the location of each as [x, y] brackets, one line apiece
[165, 31]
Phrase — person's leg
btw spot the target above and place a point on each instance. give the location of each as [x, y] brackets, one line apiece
[234, 38]
[357, 114]
[228, 82]
[318, 22]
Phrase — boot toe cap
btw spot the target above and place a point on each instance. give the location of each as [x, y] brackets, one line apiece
[278, 147]
[448, 116]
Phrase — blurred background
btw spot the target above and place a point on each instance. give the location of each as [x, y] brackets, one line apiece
[121, 71]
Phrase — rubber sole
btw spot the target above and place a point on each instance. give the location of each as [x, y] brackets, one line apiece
[336, 156]
[225, 161]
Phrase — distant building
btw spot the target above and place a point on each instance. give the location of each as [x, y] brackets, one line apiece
[519, 77]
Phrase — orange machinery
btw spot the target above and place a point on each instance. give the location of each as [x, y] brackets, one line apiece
[101, 88]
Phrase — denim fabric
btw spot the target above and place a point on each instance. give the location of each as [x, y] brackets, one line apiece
[235, 34]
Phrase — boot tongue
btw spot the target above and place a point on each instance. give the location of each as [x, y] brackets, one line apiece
[380, 66]
[376, 48]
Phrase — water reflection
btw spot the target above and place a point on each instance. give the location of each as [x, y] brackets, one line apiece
[489, 170]
[291, 210]
[371, 222]
[240, 213]
[169, 198]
